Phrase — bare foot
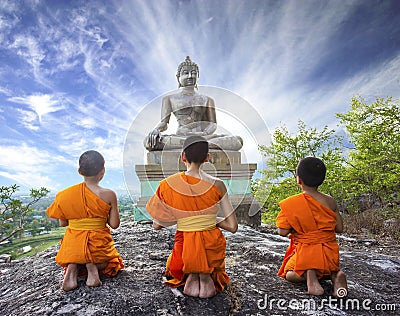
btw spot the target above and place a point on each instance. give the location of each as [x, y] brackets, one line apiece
[207, 287]
[339, 284]
[313, 286]
[292, 276]
[70, 281]
[93, 278]
[192, 285]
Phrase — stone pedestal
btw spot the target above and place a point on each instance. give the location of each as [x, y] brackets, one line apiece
[225, 165]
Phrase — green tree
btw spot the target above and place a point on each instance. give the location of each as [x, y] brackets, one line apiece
[34, 227]
[13, 212]
[374, 161]
[282, 156]
[48, 225]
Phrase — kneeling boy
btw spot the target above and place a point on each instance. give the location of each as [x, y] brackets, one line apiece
[86, 208]
[191, 199]
[311, 218]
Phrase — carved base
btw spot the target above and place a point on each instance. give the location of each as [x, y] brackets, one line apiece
[173, 157]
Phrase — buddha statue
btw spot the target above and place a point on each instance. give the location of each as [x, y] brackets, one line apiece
[194, 112]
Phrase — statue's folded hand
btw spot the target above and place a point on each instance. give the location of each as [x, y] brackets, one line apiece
[210, 129]
[153, 138]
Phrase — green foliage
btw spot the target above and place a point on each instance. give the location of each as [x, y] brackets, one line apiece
[374, 162]
[282, 157]
[13, 211]
[34, 227]
[361, 177]
[278, 192]
[286, 150]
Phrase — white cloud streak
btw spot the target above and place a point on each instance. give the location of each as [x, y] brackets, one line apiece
[41, 104]
[29, 166]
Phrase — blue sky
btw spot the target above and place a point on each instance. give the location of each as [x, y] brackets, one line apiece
[76, 75]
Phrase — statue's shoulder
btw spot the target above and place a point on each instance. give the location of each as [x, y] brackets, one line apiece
[171, 94]
[203, 97]
[172, 97]
[176, 97]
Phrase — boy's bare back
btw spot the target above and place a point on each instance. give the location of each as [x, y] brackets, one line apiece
[110, 198]
[324, 199]
[106, 195]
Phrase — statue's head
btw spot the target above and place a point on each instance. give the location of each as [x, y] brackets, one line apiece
[187, 73]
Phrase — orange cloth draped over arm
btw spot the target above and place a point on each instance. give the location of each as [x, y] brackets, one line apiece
[313, 244]
[180, 196]
[82, 245]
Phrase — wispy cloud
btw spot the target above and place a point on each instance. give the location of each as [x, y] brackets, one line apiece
[29, 119]
[8, 19]
[29, 166]
[88, 122]
[41, 104]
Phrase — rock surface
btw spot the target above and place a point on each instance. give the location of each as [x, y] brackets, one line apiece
[31, 286]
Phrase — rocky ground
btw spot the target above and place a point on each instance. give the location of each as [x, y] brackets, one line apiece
[32, 286]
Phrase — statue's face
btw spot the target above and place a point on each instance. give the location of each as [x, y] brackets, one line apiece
[188, 76]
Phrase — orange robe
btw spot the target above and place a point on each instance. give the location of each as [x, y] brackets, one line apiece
[313, 243]
[84, 246]
[181, 197]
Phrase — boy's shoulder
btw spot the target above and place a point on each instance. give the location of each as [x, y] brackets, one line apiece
[324, 199]
[215, 181]
[107, 195]
[67, 190]
[172, 181]
[220, 185]
[107, 191]
[169, 181]
[321, 197]
[291, 198]
[328, 200]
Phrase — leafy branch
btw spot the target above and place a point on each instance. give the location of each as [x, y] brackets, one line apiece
[13, 211]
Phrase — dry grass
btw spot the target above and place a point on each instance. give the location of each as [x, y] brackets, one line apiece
[235, 300]
[372, 222]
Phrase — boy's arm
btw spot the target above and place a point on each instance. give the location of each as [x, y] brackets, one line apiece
[224, 224]
[157, 226]
[54, 211]
[333, 206]
[339, 222]
[284, 231]
[229, 222]
[283, 225]
[63, 222]
[113, 217]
